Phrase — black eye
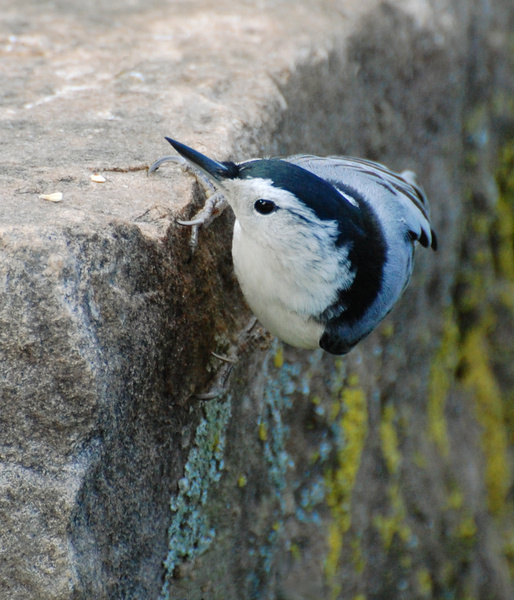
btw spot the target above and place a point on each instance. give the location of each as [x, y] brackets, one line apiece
[265, 207]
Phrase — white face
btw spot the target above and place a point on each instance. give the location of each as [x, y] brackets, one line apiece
[290, 228]
[288, 255]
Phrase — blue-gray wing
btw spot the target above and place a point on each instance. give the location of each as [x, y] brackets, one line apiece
[410, 200]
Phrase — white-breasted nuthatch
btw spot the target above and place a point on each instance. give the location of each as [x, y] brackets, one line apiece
[322, 247]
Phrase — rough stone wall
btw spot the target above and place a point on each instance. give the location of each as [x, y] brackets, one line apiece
[384, 474]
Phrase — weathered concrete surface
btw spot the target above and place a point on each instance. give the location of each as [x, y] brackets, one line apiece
[386, 474]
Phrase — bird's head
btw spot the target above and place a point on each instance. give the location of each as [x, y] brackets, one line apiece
[277, 202]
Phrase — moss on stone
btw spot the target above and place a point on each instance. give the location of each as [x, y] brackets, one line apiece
[489, 285]
[467, 528]
[424, 583]
[389, 439]
[394, 523]
[190, 532]
[278, 359]
[480, 378]
[442, 374]
[455, 498]
[349, 413]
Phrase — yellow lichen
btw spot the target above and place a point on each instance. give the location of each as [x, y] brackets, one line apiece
[406, 562]
[508, 549]
[504, 226]
[441, 377]
[394, 523]
[424, 581]
[480, 379]
[420, 459]
[455, 499]
[263, 431]
[487, 284]
[278, 359]
[387, 330]
[389, 439]
[351, 410]
[335, 547]
[467, 528]
[504, 232]
[295, 551]
[216, 443]
[358, 559]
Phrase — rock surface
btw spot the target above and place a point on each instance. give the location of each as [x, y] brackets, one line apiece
[384, 474]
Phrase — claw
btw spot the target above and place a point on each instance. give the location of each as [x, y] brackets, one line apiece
[210, 395]
[163, 159]
[190, 223]
[227, 359]
[213, 207]
[249, 336]
[221, 384]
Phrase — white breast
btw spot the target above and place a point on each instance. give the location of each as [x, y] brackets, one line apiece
[277, 292]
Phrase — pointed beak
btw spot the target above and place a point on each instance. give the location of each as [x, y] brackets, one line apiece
[210, 167]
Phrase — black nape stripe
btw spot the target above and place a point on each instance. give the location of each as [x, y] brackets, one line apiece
[232, 170]
[314, 192]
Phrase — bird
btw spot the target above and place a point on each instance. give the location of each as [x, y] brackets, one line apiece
[322, 247]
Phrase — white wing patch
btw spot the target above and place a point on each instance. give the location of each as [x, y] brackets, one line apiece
[348, 198]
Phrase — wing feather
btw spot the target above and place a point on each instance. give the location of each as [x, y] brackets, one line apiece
[402, 185]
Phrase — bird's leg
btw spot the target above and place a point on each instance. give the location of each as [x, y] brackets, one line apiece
[220, 385]
[250, 336]
[214, 205]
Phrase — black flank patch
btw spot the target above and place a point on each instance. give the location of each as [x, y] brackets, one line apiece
[368, 255]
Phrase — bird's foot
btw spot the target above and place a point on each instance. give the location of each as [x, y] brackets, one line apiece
[213, 207]
[250, 336]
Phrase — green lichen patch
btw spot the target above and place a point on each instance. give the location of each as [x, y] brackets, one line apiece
[475, 355]
[442, 375]
[424, 583]
[190, 533]
[393, 524]
[350, 415]
[503, 243]
[484, 314]
[480, 378]
[486, 307]
[288, 384]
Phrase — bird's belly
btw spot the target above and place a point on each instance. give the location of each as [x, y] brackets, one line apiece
[290, 327]
[273, 297]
